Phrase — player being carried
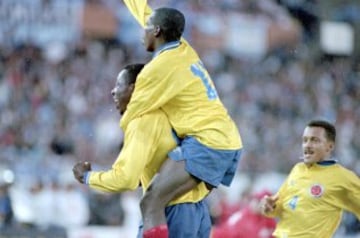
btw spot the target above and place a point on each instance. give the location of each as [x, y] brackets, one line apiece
[176, 81]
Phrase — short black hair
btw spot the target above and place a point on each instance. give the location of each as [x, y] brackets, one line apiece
[171, 22]
[328, 127]
[133, 70]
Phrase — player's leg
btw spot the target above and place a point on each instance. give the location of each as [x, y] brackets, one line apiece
[188, 220]
[204, 230]
[189, 164]
[172, 181]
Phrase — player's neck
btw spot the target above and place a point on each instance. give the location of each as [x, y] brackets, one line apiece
[325, 161]
[159, 43]
[165, 46]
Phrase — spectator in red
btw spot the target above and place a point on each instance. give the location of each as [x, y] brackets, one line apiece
[246, 222]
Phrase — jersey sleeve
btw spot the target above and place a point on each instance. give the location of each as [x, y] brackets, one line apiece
[139, 147]
[351, 202]
[139, 9]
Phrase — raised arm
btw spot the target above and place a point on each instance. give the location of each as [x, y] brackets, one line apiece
[159, 81]
[139, 9]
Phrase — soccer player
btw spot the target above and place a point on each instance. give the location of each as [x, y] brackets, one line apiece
[311, 200]
[147, 141]
[176, 81]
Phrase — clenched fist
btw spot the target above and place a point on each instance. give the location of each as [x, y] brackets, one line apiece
[80, 169]
[268, 203]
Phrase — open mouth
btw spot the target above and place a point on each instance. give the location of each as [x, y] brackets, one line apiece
[308, 153]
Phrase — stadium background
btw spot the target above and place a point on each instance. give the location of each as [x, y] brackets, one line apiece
[276, 64]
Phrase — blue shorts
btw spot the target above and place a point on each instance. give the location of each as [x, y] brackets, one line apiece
[212, 166]
[187, 220]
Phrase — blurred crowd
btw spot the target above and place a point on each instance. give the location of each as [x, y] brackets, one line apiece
[56, 107]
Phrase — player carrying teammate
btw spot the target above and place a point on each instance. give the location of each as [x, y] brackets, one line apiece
[176, 81]
[147, 141]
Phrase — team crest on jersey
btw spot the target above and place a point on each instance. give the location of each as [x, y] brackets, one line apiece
[316, 190]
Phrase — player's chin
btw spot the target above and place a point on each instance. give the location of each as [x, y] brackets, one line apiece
[148, 47]
[309, 161]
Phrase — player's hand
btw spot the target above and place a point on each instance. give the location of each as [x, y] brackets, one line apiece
[80, 169]
[268, 203]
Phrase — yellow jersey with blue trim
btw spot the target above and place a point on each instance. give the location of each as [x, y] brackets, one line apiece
[176, 81]
[312, 199]
[147, 141]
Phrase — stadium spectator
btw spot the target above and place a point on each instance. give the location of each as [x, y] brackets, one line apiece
[6, 211]
[246, 221]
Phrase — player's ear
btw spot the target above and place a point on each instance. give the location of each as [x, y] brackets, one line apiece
[331, 146]
[131, 87]
[157, 31]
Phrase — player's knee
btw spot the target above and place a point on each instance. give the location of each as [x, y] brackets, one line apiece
[152, 199]
[155, 191]
[144, 205]
[149, 203]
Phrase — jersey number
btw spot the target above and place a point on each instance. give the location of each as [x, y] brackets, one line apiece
[293, 202]
[199, 71]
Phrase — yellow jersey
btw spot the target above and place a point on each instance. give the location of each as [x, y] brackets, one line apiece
[312, 199]
[176, 82]
[147, 141]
